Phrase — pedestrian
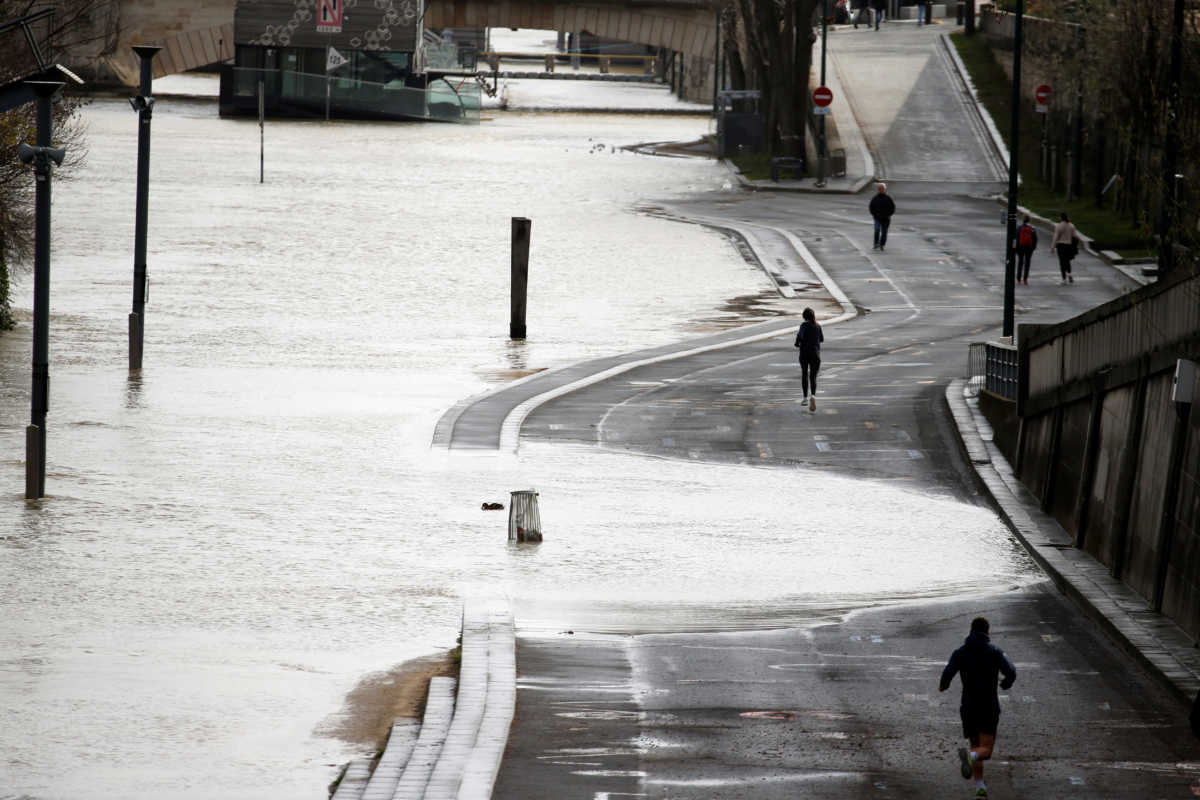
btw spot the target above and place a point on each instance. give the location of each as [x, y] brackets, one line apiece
[921, 12]
[877, 6]
[809, 339]
[858, 6]
[978, 663]
[1026, 244]
[881, 207]
[1066, 245]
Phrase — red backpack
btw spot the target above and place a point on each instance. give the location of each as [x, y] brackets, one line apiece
[1025, 236]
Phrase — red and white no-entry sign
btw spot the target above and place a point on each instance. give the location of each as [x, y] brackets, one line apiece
[822, 96]
[329, 16]
[1042, 94]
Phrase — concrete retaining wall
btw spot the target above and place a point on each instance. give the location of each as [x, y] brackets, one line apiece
[1111, 456]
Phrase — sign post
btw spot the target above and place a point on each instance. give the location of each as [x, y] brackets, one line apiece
[333, 60]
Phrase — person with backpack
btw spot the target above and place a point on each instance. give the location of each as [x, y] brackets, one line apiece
[1065, 244]
[1026, 244]
[809, 339]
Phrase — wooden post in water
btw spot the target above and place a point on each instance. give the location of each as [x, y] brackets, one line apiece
[520, 276]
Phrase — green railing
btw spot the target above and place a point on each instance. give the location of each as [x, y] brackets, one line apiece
[444, 100]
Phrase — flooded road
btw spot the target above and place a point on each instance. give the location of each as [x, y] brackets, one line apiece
[231, 541]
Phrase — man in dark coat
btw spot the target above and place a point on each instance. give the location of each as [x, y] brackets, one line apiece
[980, 663]
[881, 207]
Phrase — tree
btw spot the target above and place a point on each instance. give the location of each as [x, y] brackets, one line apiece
[71, 27]
[775, 57]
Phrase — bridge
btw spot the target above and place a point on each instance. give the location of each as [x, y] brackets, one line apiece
[197, 33]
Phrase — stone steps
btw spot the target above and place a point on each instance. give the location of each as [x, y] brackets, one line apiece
[456, 753]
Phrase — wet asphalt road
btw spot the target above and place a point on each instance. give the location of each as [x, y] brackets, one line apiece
[851, 709]
[842, 711]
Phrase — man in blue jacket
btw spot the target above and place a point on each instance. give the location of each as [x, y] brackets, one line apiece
[980, 663]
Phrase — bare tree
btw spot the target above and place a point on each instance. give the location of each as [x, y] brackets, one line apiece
[72, 26]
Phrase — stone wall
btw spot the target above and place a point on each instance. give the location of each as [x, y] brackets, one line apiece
[1109, 453]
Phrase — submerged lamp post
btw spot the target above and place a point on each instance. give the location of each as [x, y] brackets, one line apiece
[1014, 145]
[143, 104]
[41, 157]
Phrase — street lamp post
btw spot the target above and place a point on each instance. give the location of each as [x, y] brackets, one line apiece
[821, 121]
[1170, 160]
[143, 104]
[1014, 146]
[41, 157]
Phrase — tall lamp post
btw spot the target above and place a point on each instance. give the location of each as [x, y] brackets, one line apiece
[41, 158]
[1170, 161]
[821, 121]
[143, 104]
[1014, 149]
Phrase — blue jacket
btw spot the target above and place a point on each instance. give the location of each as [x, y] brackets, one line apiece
[980, 663]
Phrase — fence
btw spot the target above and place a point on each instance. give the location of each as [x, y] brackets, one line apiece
[443, 100]
[992, 367]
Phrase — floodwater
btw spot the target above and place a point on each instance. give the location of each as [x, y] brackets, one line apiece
[233, 540]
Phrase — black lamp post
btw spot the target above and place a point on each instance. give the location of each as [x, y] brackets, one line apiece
[41, 157]
[821, 121]
[1168, 212]
[1013, 161]
[143, 104]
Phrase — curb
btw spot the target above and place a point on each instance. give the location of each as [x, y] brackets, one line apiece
[1150, 638]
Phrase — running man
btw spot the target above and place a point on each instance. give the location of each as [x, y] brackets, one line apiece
[980, 663]
[809, 339]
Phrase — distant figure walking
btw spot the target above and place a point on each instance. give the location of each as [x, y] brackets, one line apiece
[809, 339]
[878, 6]
[979, 663]
[881, 207]
[1066, 245]
[1026, 244]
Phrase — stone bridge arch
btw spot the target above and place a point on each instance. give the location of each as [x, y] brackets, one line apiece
[685, 27]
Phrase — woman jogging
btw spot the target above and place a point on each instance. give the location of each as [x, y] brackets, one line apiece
[1065, 243]
[809, 339]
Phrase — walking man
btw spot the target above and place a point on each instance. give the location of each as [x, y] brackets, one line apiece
[809, 339]
[1026, 244]
[877, 6]
[881, 207]
[979, 663]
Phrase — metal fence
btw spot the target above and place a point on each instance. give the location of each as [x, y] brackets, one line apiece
[444, 100]
[992, 367]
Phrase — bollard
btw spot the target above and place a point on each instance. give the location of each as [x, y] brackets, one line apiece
[549, 62]
[604, 62]
[524, 520]
[650, 65]
[958, 14]
[520, 276]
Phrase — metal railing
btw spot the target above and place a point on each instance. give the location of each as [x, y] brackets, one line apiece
[992, 367]
[444, 100]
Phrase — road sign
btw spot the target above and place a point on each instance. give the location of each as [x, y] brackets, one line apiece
[329, 16]
[1042, 94]
[334, 59]
[822, 96]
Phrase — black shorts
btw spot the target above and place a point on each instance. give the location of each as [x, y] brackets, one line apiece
[979, 720]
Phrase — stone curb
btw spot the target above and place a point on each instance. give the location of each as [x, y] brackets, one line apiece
[1152, 639]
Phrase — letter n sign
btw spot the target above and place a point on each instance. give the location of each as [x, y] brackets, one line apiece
[329, 16]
